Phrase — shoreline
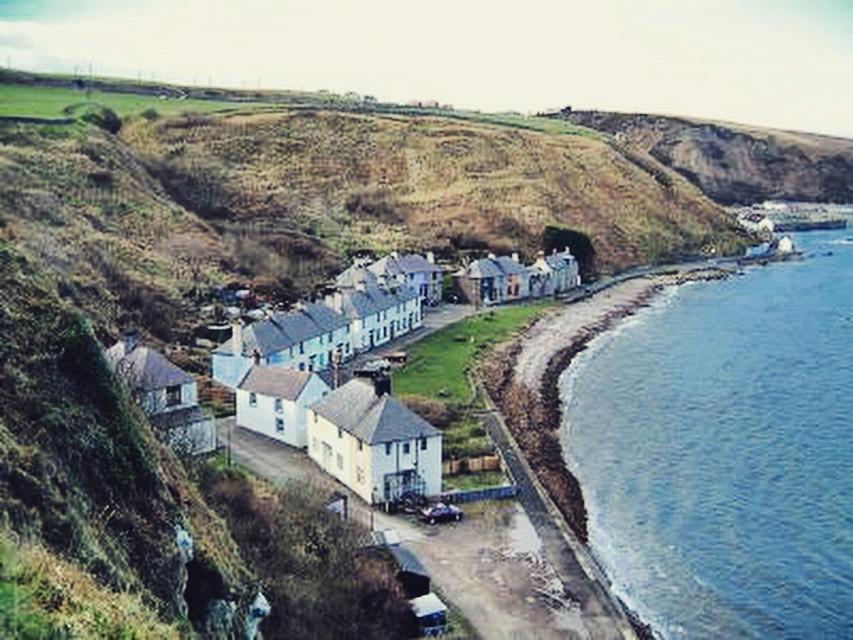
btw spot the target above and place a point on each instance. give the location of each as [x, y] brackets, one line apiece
[522, 380]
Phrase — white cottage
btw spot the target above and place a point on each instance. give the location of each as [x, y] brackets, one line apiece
[374, 444]
[377, 315]
[167, 393]
[273, 401]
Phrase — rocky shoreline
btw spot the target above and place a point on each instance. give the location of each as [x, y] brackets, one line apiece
[523, 380]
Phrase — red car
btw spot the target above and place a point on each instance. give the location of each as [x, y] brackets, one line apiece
[441, 513]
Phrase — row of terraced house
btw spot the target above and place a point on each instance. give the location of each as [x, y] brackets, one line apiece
[498, 280]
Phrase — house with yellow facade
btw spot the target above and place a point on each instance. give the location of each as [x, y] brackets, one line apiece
[375, 445]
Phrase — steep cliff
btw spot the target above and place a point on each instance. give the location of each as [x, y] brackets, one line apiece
[736, 164]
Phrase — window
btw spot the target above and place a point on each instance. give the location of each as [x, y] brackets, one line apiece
[302, 347]
[279, 406]
[359, 475]
[279, 425]
[302, 366]
[173, 396]
[360, 445]
[314, 413]
[340, 432]
[330, 337]
[406, 449]
[387, 448]
[253, 399]
[314, 444]
[423, 444]
[340, 461]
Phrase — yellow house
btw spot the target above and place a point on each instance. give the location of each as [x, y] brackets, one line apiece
[372, 443]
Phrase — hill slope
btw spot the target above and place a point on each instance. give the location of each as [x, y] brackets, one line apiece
[736, 164]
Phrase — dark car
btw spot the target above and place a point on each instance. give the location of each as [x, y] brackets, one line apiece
[441, 513]
[411, 502]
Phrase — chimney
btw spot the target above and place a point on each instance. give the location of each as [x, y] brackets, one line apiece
[382, 385]
[491, 256]
[335, 301]
[395, 255]
[430, 256]
[237, 338]
[566, 250]
[515, 256]
[130, 339]
[540, 255]
[256, 356]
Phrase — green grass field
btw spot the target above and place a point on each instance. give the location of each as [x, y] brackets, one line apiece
[49, 102]
[438, 364]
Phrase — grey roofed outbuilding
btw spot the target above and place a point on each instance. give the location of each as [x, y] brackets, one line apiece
[181, 417]
[284, 330]
[278, 382]
[145, 369]
[356, 275]
[373, 419]
[407, 561]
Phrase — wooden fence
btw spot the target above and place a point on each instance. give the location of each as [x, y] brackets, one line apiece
[471, 465]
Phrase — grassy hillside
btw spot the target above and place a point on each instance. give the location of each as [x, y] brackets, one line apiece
[735, 163]
[369, 181]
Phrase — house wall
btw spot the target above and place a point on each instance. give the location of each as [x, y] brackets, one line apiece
[363, 470]
[381, 324]
[427, 462]
[326, 443]
[155, 401]
[262, 417]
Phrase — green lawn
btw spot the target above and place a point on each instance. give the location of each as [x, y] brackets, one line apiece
[49, 102]
[438, 364]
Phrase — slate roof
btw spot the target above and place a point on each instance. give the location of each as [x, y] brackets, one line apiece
[356, 275]
[278, 382]
[405, 264]
[182, 417]
[284, 330]
[510, 267]
[358, 303]
[373, 419]
[484, 268]
[146, 369]
[407, 561]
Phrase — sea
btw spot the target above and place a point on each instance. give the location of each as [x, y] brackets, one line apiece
[712, 434]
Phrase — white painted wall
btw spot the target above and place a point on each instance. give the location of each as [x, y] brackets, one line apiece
[155, 401]
[426, 461]
[262, 417]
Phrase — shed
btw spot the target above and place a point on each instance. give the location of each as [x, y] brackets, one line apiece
[431, 614]
[410, 573]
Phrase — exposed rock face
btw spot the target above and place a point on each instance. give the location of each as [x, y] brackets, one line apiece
[736, 164]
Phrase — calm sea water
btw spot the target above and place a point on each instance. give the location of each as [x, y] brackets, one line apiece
[713, 436]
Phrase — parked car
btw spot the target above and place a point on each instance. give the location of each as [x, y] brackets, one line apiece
[411, 502]
[373, 369]
[441, 513]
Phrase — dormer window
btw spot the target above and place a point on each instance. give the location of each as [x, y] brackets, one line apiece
[279, 405]
[253, 399]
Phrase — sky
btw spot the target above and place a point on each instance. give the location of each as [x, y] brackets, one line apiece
[778, 63]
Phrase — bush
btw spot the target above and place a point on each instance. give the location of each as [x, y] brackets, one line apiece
[437, 413]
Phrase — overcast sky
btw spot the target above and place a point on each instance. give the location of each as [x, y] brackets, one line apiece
[783, 63]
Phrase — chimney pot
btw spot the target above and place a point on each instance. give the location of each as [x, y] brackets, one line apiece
[382, 385]
[430, 256]
[491, 256]
[515, 256]
[237, 338]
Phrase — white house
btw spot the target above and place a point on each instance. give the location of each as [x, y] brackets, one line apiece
[377, 315]
[305, 339]
[757, 223]
[167, 394]
[372, 443]
[273, 401]
[411, 270]
[555, 273]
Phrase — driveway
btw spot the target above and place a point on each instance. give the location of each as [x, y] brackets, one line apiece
[492, 566]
